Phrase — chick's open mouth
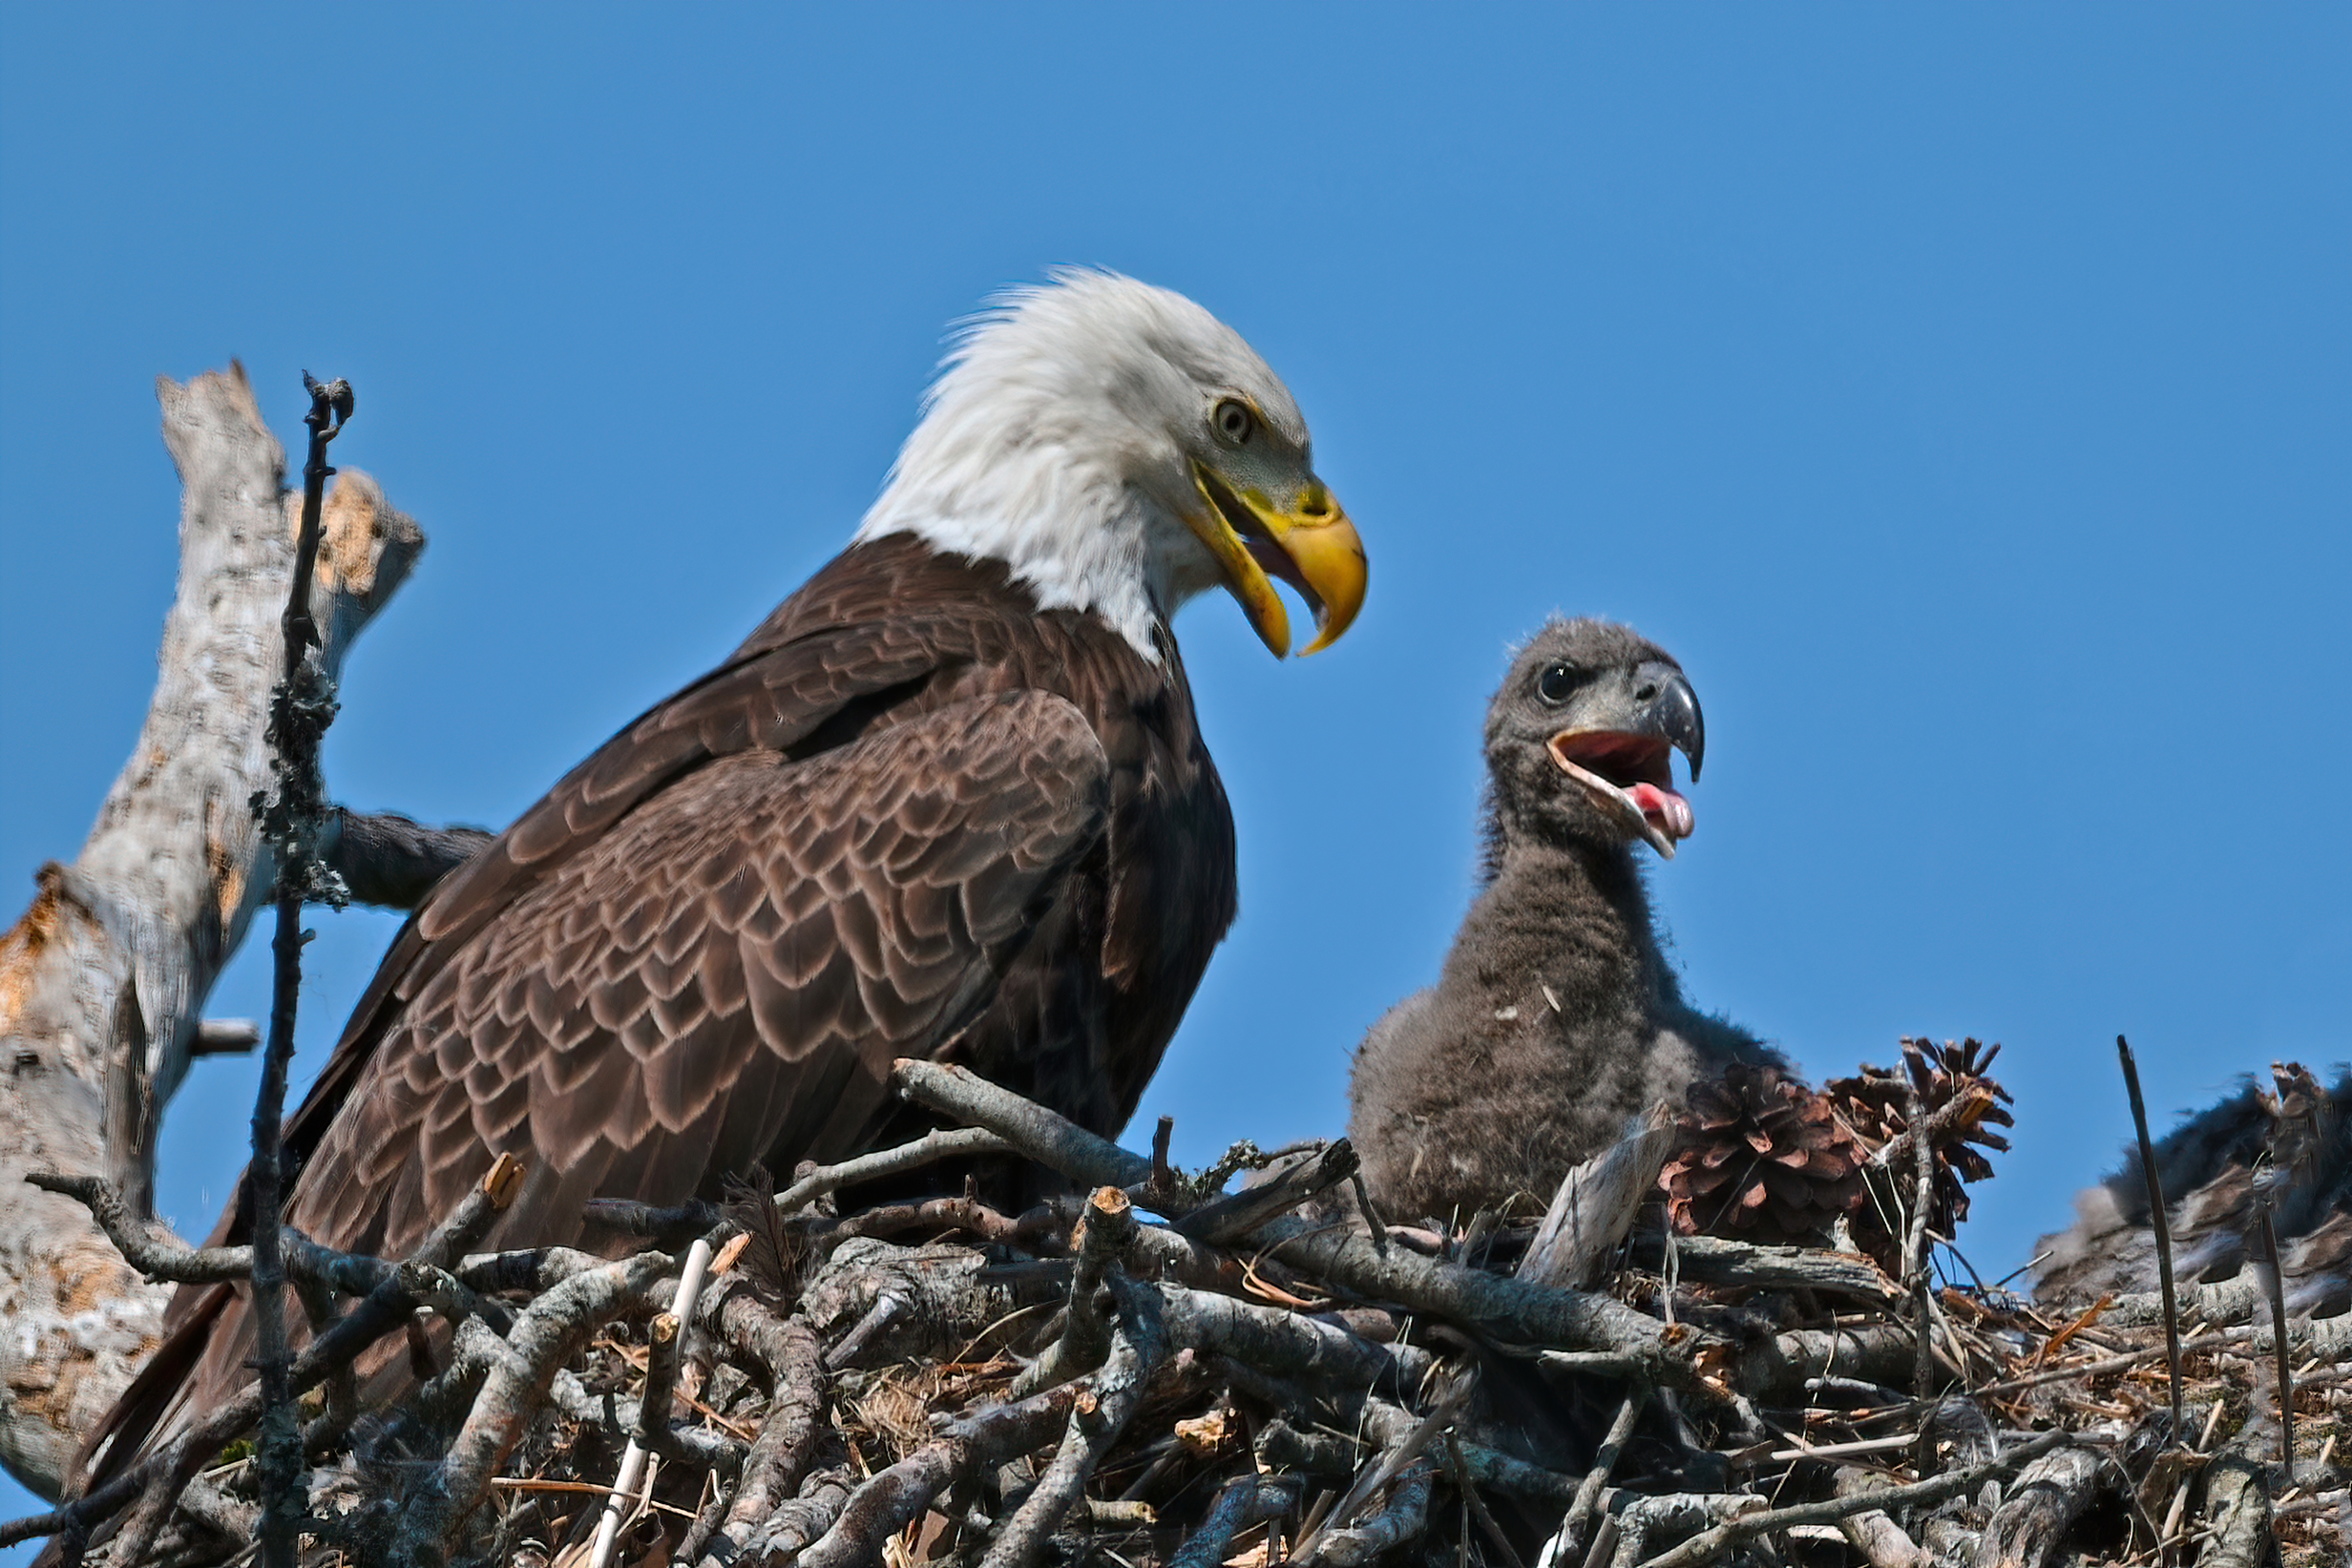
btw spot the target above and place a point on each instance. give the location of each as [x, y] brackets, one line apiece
[1630, 777]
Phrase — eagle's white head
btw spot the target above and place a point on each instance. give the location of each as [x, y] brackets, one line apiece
[1122, 449]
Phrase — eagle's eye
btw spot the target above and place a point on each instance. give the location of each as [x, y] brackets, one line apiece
[1233, 422]
[1556, 684]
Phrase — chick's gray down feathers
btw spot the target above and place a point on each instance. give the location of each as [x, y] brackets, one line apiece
[1557, 1017]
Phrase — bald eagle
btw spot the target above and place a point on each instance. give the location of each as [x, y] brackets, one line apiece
[949, 800]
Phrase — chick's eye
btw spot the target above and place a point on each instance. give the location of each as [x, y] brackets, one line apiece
[1556, 683]
[1233, 422]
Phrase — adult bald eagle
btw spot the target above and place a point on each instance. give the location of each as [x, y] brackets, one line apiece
[949, 801]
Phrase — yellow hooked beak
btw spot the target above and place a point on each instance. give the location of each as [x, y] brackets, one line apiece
[1310, 544]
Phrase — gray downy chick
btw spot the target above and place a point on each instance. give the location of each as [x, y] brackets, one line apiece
[1557, 1018]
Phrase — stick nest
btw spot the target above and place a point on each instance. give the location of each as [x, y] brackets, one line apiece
[1153, 1370]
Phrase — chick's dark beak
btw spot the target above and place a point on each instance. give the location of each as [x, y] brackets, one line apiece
[1671, 711]
[1622, 754]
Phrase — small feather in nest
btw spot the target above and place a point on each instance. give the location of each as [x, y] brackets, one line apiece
[773, 1258]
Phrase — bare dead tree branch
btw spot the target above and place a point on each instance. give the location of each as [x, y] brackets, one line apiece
[104, 979]
[391, 861]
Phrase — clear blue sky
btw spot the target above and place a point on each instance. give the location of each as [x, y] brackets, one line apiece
[1964, 395]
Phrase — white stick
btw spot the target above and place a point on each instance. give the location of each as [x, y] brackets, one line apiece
[624, 1498]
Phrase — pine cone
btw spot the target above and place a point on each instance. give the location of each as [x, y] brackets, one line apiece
[1762, 1158]
[1877, 1106]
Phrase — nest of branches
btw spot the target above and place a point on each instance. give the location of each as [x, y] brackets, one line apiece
[1157, 1370]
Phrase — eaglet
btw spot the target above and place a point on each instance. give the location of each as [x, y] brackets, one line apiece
[1557, 1017]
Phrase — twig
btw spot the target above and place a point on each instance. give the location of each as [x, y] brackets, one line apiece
[1873, 1533]
[786, 1443]
[1955, 1115]
[150, 1486]
[1231, 1216]
[1109, 1227]
[1137, 1348]
[1331, 1456]
[946, 1144]
[301, 708]
[1915, 1272]
[165, 1257]
[1371, 1212]
[545, 1334]
[1164, 1177]
[2157, 1220]
[1708, 1543]
[1053, 1141]
[1405, 1445]
[1510, 1309]
[1289, 1343]
[1402, 1520]
[653, 1410]
[2273, 1276]
[1245, 1500]
[891, 1500]
[1571, 1532]
[1468, 1487]
[1504, 1308]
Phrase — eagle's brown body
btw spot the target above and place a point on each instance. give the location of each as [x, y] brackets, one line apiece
[913, 815]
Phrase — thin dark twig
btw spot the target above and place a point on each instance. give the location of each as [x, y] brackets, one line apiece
[292, 816]
[2156, 1219]
[1476, 1505]
[1603, 1462]
[2279, 1333]
[1914, 1255]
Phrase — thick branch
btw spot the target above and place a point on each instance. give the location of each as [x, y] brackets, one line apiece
[2237, 1508]
[1712, 1543]
[386, 860]
[1511, 1310]
[103, 980]
[895, 1497]
[2030, 1526]
[786, 1443]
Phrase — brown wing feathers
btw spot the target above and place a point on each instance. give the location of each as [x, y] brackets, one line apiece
[908, 816]
[733, 966]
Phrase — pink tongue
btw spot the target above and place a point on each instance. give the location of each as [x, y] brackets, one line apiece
[1669, 811]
